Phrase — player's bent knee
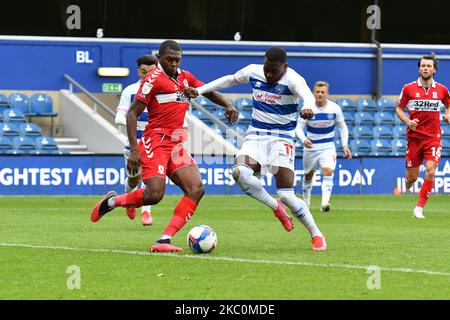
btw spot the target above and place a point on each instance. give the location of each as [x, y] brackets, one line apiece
[241, 172]
[152, 197]
[196, 192]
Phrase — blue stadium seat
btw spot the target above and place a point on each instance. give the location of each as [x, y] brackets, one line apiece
[385, 104]
[205, 103]
[14, 115]
[4, 100]
[399, 132]
[347, 104]
[383, 132]
[241, 128]
[384, 118]
[364, 118]
[4, 103]
[398, 147]
[23, 143]
[365, 104]
[349, 118]
[9, 129]
[399, 122]
[363, 132]
[244, 103]
[20, 102]
[5, 143]
[45, 142]
[220, 114]
[200, 115]
[361, 147]
[30, 129]
[245, 117]
[350, 130]
[381, 147]
[42, 105]
[445, 132]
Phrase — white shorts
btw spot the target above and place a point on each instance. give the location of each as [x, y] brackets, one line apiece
[126, 155]
[269, 152]
[314, 160]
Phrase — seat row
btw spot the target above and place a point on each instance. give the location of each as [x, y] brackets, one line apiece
[38, 105]
[359, 105]
[27, 143]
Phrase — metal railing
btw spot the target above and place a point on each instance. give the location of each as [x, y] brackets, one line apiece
[217, 121]
[95, 100]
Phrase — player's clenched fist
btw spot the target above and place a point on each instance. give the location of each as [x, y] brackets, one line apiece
[306, 114]
[190, 92]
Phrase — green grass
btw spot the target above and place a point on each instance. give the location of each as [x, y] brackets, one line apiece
[361, 231]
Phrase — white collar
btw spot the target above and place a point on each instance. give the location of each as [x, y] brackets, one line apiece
[433, 83]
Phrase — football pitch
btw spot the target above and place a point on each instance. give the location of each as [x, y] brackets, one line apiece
[49, 249]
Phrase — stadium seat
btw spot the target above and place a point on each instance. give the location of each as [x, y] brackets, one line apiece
[364, 118]
[363, 132]
[42, 105]
[361, 147]
[4, 104]
[349, 118]
[13, 115]
[245, 117]
[244, 104]
[5, 143]
[200, 115]
[30, 129]
[205, 103]
[241, 128]
[381, 147]
[384, 118]
[45, 142]
[20, 102]
[445, 132]
[346, 104]
[398, 147]
[383, 132]
[9, 129]
[399, 122]
[23, 143]
[365, 104]
[4, 100]
[337, 131]
[220, 114]
[399, 132]
[385, 104]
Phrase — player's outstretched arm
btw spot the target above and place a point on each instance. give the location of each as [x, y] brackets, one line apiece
[231, 113]
[447, 114]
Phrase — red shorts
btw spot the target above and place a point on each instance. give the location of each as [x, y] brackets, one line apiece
[419, 149]
[161, 156]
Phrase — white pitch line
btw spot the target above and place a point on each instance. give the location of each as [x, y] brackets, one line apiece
[213, 258]
[406, 210]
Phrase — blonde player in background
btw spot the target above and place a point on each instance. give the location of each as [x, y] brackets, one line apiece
[319, 147]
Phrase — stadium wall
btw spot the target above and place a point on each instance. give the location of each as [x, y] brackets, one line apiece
[39, 63]
[96, 175]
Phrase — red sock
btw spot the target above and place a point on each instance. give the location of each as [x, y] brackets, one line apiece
[425, 192]
[181, 215]
[133, 198]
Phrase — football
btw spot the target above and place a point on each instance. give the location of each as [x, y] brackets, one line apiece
[202, 239]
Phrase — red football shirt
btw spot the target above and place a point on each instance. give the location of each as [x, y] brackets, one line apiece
[424, 104]
[164, 98]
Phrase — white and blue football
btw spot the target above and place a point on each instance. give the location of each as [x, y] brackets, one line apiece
[202, 239]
